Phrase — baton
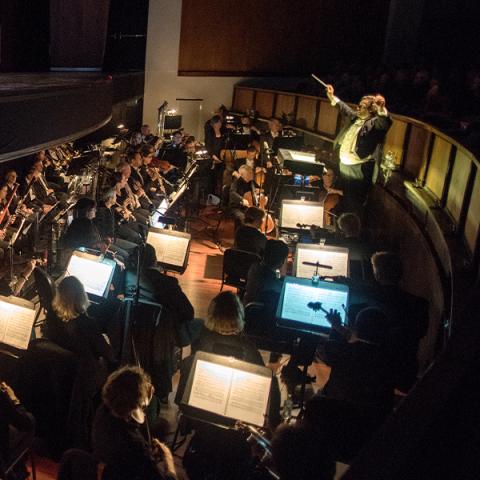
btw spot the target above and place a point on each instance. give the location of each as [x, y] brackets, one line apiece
[321, 82]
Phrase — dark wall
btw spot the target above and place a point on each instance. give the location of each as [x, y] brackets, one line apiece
[278, 37]
[24, 35]
[449, 32]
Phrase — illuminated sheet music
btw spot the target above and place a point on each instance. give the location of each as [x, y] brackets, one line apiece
[94, 275]
[16, 322]
[248, 399]
[297, 297]
[169, 249]
[210, 387]
[337, 259]
[230, 392]
[306, 214]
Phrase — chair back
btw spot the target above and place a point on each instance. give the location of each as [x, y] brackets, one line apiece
[77, 464]
[236, 264]
[45, 287]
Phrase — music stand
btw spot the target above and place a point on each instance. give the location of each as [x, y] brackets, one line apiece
[172, 248]
[307, 255]
[300, 212]
[17, 317]
[223, 390]
[292, 143]
[303, 304]
[94, 270]
[302, 163]
[173, 122]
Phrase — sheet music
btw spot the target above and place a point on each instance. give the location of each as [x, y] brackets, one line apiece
[16, 322]
[249, 396]
[306, 214]
[296, 299]
[94, 275]
[211, 386]
[170, 250]
[337, 260]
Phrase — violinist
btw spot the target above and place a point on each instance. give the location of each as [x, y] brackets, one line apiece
[246, 127]
[152, 181]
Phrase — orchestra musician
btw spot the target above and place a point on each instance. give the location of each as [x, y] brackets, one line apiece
[358, 141]
[246, 127]
[248, 236]
[36, 197]
[215, 143]
[240, 186]
[275, 128]
[136, 180]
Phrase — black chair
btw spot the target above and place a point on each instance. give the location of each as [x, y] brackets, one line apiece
[223, 210]
[236, 264]
[45, 287]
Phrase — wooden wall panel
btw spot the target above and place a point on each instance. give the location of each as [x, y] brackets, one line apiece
[261, 37]
[306, 113]
[285, 105]
[243, 99]
[416, 154]
[458, 184]
[437, 170]
[327, 119]
[264, 103]
[472, 223]
[395, 139]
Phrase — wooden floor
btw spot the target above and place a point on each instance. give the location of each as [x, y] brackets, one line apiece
[201, 282]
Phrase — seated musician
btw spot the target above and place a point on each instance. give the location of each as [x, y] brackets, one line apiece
[119, 438]
[240, 186]
[222, 334]
[17, 427]
[251, 160]
[49, 192]
[274, 130]
[407, 315]
[249, 236]
[127, 198]
[82, 232]
[147, 135]
[137, 182]
[35, 195]
[246, 127]
[107, 220]
[177, 318]
[152, 183]
[264, 283]
[11, 184]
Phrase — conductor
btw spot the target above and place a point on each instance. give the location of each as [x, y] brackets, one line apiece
[357, 143]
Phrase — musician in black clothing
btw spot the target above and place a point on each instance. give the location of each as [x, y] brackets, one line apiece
[274, 130]
[215, 143]
[119, 438]
[407, 315]
[248, 236]
[240, 186]
[14, 419]
[123, 239]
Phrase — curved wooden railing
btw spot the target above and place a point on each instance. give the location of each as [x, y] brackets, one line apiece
[437, 181]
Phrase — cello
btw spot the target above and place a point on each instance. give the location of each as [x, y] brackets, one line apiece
[256, 198]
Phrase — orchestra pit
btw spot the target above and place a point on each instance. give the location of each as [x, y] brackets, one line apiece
[239, 240]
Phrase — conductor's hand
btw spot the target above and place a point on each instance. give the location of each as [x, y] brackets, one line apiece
[334, 318]
[380, 101]
[330, 91]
